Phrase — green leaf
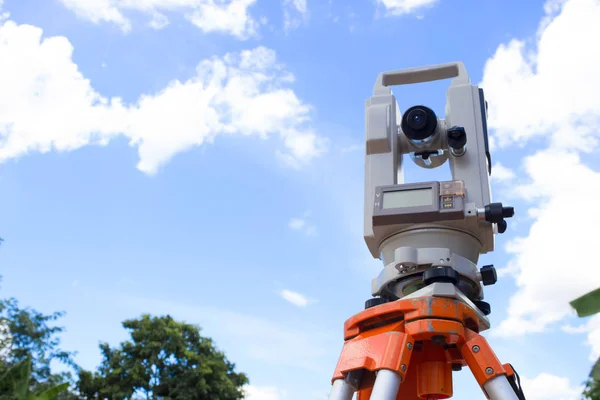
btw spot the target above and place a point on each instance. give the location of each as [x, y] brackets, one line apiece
[596, 371]
[17, 378]
[51, 393]
[588, 304]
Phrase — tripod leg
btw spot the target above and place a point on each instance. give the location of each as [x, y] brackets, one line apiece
[487, 369]
[499, 388]
[343, 389]
[386, 385]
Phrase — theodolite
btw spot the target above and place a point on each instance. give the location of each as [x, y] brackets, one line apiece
[427, 309]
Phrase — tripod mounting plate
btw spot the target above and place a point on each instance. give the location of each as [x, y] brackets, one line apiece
[409, 263]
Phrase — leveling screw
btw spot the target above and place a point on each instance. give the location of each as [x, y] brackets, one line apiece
[475, 349]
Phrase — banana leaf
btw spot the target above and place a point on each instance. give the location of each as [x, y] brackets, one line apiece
[51, 393]
[18, 379]
[588, 304]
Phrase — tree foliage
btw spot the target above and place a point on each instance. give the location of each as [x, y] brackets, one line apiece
[29, 334]
[29, 343]
[592, 389]
[164, 359]
[16, 383]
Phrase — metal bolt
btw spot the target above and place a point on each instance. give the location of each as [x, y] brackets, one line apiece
[489, 371]
[409, 345]
[475, 349]
[403, 368]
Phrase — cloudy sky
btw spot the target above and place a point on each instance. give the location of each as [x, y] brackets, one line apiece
[204, 159]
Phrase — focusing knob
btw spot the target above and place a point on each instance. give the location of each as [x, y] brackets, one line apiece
[375, 301]
[488, 275]
[457, 137]
[440, 274]
[495, 214]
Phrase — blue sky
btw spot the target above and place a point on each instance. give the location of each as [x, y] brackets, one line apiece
[204, 159]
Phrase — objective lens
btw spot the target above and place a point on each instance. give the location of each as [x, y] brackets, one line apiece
[419, 123]
[417, 119]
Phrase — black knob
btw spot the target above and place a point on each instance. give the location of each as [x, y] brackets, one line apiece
[496, 212]
[375, 301]
[457, 137]
[502, 225]
[456, 367]
[488, 275]
[484, 306]
[440, 274]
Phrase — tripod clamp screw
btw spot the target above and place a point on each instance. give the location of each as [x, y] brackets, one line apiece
[375, 301]
[440, 274]
[488, 275]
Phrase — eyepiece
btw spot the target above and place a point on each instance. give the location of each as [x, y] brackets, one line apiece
[419, 123]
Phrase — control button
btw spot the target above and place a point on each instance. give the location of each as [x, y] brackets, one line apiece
[446, 199]
[448, 205]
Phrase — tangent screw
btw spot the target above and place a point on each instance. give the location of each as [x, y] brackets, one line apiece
[409, 345]
[489, 371]
[475, 349]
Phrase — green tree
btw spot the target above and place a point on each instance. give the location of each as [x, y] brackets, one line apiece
[592, 389]
[29, 334]
[164, 359]
[29, 341]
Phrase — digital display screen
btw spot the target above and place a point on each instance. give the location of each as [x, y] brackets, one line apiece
[408, 198]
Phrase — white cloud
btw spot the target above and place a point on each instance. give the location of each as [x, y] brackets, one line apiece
[295, 298]
[500, 173]
[301, 224]
[549, 387]
[229, 16]
[5, 335]
[263, 393]
[568, 328]
[47, 104]
[552, 264]
[296, 223]
[549, 92]
[295, 12]
[402, 7]
[593, 339]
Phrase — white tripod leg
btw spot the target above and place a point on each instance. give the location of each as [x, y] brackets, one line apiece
[499, 388]
[343, 389]
[387, 384]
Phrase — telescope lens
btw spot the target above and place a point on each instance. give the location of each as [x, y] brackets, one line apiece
[419, 123]
[417, 119]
